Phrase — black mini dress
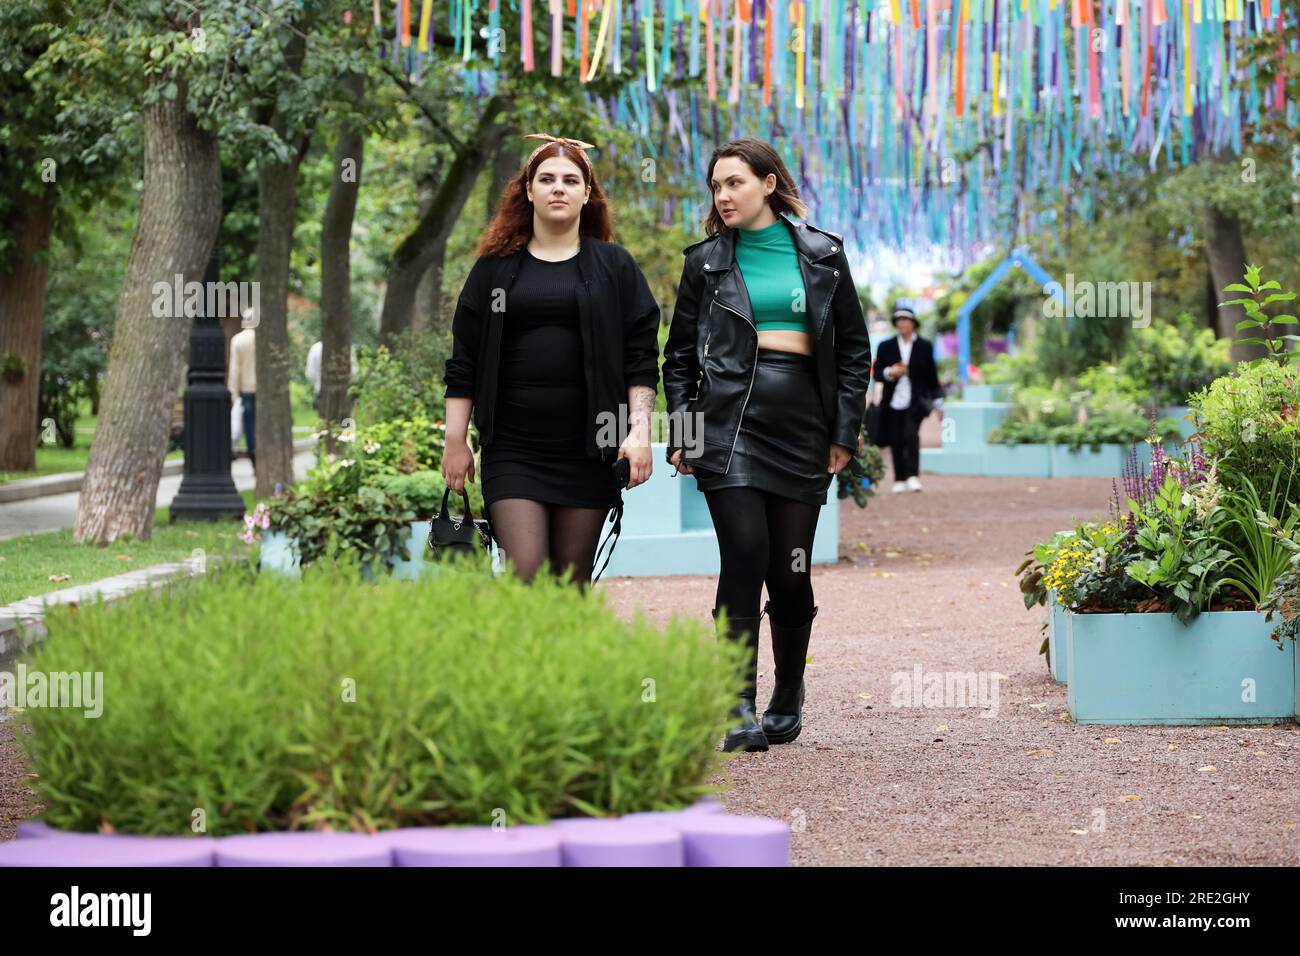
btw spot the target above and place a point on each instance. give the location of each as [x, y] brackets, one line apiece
[538, 447]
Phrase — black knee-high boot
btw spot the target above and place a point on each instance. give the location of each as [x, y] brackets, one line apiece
[783, 719]
[749, 735]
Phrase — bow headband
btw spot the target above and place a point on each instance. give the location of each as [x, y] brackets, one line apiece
[576, 145]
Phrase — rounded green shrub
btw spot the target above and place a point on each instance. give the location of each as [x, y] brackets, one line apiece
[1251, 422]
[270, 704]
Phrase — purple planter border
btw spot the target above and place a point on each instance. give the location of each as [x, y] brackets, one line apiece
[700, 835]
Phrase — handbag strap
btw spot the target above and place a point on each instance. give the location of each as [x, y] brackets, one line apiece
[464, 497]
[616, 517]
[469, 511]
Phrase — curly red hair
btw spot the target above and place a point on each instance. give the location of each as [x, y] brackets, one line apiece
[512, 225]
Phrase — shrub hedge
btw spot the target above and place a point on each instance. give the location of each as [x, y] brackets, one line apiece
[338, 703]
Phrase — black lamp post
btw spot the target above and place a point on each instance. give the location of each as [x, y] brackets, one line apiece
[207, 491]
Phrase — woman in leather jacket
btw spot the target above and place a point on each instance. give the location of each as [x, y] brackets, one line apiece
[768, 364]
[555, 351]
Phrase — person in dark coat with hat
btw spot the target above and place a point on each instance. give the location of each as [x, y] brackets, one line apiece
[905, 364]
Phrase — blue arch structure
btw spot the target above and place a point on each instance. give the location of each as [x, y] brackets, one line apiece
[1018, 257]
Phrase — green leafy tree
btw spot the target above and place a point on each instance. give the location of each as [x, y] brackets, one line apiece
[54, 148]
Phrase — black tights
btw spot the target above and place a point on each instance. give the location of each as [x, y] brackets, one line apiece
[764, 537]
[532, 532]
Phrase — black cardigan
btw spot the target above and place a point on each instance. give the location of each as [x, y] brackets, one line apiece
[618, 316]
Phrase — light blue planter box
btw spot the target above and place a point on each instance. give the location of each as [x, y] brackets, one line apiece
[1180, 412]
[1018, 461]
[966, 425]
[987, 393]
[941, 461]
[1031, 460]
[667, 528]
[1056, 625]
[1106, 462]
[1150, 669]
[277, 555]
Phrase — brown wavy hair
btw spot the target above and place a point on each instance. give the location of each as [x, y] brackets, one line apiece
[762, 159]
[512, 225]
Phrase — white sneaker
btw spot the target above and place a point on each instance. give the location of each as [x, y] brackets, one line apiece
[898, 486]
[914, 484]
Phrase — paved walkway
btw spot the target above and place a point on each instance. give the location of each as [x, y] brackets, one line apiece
[52, 512]
[926, 580]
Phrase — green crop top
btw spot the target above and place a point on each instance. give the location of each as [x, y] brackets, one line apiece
[770, 267]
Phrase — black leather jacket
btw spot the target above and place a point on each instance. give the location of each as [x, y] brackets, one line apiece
[712, 350]
[619, 320]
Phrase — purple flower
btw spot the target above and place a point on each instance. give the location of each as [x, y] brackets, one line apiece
[1198, 464]
[1130, 475]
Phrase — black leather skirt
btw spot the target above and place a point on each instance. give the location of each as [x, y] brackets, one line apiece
[783, 445]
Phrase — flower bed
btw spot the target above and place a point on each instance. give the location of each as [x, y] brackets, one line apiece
[1045, 415]
[1100, 408]
[367, 504]
[281, 554]
[1182, 598]
[243, 702]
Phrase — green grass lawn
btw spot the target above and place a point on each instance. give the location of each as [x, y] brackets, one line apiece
[27, 563]
[55, 459]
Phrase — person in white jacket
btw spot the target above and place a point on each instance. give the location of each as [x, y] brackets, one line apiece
[912, 391]
[241, 379]
[313, 370]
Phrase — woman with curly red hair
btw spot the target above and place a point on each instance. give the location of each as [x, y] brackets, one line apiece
[555, 353]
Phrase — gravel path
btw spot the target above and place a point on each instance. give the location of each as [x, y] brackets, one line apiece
[16, 799]
[927, 580]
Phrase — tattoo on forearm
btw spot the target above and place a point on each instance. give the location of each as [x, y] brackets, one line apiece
[642, 401]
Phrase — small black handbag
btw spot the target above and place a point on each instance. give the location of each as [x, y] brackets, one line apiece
[453, 536]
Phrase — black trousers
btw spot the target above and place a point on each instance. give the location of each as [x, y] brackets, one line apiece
[249, 400]
[904, 430]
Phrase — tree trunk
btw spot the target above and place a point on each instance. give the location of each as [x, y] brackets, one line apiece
[180, 213]
[277, 202]
[22, 306]
[428, 301]
[1212, 300]
[428, 297]
[418, 250]
[278, 199]
[1226, 253]
[505, 166]
[430, 314]
[335, 272]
